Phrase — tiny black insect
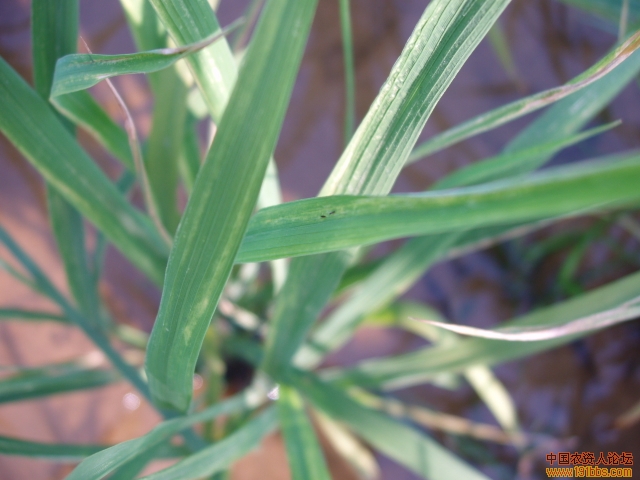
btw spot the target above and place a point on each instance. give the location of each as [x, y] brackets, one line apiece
[323, 216]
[332, 212]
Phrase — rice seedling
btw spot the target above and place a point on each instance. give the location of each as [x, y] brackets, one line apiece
[234, 216]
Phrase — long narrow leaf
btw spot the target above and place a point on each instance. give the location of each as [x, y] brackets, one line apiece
[403, 443]
[513, 162]
[65, 452]
[230, 179]
[222, 454]
[627, 311]
[164, 145]
[554, 127]
[83, 70]
[337, 222]
[170, 91]
[54, 33]
[444, 38]
[391, 279]
[30, 315]
[416, 367]
[303, 451]
[606, 9]
[349, 71]
[81, 108]
[41, 282]
[52, 380]
[106, 461]
[214, 68]
[215, 71]
[68, 229]
[53, 451]
[33, 128]
[511, 111]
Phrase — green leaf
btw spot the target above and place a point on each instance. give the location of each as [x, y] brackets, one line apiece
[416, 367]
[61, 452]
[351, 448]
[83, 70]
[404, 267]
[164, 145]
[131, 469]
[607, 9]
[627, 311]
[214, 68]
[337, 222]
[500, 44]
[270, 195]
[511, 111]
[349, 70]
[68, 229]
[444, 38]
[230, 178]
[144, 24]
[34, 129]
[404, 444]
[52, 451]
[54, 33]
[222, 454]
[306, 459]
[513, 162]
[30, 315]
[106, 461]
[41, 382]
[41, 283]
[395, 275]
[215, 72]
[85, 112]
[189, 162]
[165, 141]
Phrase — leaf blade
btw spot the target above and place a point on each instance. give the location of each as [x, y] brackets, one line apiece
[232, 175]
[418, 366]
[36, 383]
[511, 111]
[627, 311]
[404, 444]
[83, 70]
[298, 228]
[85, 112]
[222, 454]
[59, 159]
[446, 34]
[106, 461]
[306, 459]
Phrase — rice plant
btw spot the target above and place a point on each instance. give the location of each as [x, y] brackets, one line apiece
[202, 257]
